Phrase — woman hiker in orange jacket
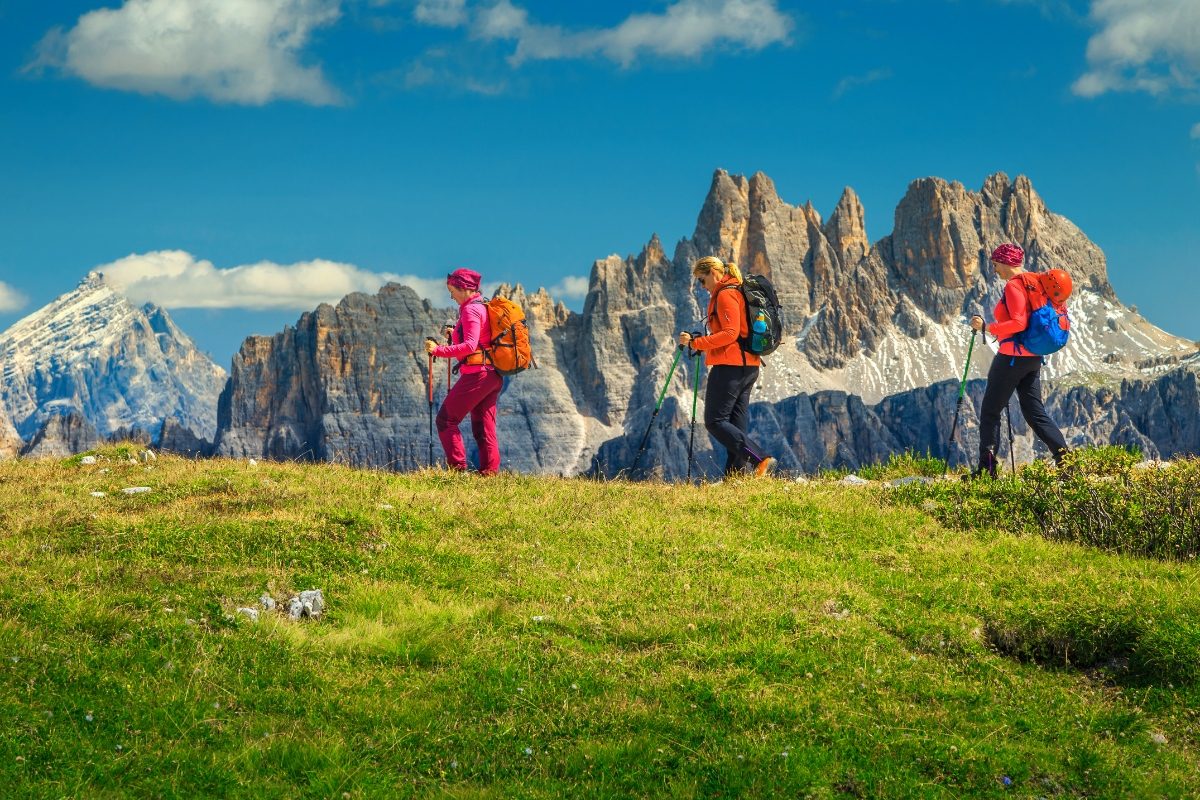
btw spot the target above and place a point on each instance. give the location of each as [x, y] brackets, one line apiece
[732, 371]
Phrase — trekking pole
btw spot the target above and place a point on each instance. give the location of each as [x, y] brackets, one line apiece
[429, 376]
[962, 387]
[657, 406]
[1012, 454]
[695, 391]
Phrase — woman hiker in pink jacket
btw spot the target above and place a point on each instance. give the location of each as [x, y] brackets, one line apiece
[478, 385]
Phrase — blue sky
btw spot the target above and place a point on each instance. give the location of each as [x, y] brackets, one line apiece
[254, 157]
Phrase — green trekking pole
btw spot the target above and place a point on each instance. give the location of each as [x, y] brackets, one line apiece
[962, 388]
[692, 436]
[657, 406]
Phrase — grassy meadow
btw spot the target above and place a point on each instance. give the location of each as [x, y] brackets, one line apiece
[540, 637]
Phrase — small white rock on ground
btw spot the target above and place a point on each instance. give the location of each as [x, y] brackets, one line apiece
[137, 490]
[310, 603]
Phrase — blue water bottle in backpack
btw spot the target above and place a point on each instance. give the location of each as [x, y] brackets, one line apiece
[758, 335]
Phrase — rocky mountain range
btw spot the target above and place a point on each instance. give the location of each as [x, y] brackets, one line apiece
[122, 369]
[874, 338]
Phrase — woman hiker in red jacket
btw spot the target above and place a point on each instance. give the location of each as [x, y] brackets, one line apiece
[478, 385]
[732, 371]
[1011, 370]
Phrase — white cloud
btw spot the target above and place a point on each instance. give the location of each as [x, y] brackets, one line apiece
[1149, 46]
[571, 287]
[176, 279]
[685, 29]
[11, 299]
[441, 67]
[442, 13]
[229, 51]
[1196, 131]
[854, 81]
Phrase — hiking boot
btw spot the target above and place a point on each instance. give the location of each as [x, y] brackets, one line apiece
[977, 473]
[764, 467]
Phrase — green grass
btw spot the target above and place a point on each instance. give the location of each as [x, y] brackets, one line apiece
[534, 637]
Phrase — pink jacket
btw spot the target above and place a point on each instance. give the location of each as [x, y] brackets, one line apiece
[472, 333]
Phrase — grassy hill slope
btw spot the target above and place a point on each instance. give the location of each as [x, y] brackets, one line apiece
[532, 637]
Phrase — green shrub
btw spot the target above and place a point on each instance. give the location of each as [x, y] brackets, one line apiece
[1103, 499]
[900, 465]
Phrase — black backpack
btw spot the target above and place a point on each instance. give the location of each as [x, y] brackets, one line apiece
[762, 307]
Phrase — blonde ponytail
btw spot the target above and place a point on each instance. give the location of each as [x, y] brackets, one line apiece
[710, 264]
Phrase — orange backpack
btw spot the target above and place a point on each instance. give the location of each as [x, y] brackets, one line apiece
[510, 352]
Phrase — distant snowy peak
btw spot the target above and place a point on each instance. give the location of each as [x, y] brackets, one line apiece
[121, 366]
[75, 326]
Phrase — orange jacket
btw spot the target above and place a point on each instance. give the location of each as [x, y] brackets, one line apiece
[727, 322]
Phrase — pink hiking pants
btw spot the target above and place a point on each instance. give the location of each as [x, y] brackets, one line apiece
[474, 393]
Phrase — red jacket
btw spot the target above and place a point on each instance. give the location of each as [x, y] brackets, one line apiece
[727, 322]
[1012, 315]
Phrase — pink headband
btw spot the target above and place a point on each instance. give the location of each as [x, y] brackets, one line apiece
[463, 278]
[1010, 255]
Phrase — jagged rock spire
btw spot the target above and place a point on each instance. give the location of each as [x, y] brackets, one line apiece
[846, 229]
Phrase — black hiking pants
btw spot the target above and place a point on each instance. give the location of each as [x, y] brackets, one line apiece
[1023, 375]
[727, 414]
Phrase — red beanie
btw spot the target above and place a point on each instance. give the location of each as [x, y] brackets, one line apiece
[464, 278]
[1010, 255]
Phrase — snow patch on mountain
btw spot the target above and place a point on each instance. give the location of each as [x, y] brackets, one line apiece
[1108, 344]
[121, 366]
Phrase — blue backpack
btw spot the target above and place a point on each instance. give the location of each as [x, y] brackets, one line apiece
[1049, 323]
